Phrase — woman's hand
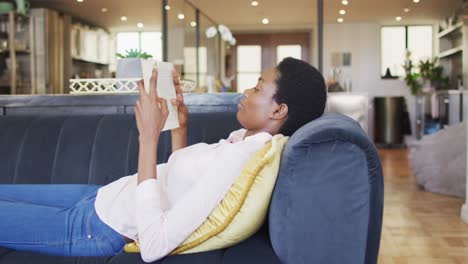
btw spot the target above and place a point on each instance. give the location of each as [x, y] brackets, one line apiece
[179, 135]
[179, 102]
[150, 111]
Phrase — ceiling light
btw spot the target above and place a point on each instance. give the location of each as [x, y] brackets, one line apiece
[80, 1]
[342, 12]
[193, 24]
[123, 18]
[340, 20]
[140, 25]
[180, 16]
[104, 10]
[398, 18]
[265, 21]
[416, 1]
[345, 2]
[406, 10]
[254, 3]
[167, 7]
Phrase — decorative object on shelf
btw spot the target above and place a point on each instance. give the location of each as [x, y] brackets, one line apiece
[388, 75]
[104, 86]
[115, 86]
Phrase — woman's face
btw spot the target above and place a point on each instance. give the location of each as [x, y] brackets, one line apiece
[256, 109]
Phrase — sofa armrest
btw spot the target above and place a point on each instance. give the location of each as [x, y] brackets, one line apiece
[328, 201]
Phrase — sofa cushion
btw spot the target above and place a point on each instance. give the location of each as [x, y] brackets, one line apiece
[244, 208]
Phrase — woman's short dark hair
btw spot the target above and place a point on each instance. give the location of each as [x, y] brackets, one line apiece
[302, 88]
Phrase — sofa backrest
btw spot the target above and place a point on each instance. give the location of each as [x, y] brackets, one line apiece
[92, 149]
[328, 201]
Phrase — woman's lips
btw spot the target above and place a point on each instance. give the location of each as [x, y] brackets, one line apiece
[240, 105]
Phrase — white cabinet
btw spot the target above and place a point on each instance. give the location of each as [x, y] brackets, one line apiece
[90, 45]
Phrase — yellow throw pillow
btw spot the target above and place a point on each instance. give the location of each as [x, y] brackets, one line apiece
[243, 209]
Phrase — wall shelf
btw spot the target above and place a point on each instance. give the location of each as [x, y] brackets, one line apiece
[87, 61]
[27, 52]
[448, 31]
[450, 52]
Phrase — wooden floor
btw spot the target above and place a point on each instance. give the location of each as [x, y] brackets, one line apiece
[419, 227]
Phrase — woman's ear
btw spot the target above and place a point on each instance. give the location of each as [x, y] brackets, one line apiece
[280, 112]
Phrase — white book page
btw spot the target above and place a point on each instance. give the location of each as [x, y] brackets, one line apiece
[166, 88]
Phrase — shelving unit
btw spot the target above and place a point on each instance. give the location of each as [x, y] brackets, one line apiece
[450, 30]
[452, 52]
[91, 50]
[16, 74]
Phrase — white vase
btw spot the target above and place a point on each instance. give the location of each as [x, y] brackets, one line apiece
[419, 115]
[129, 68]
[135, 68]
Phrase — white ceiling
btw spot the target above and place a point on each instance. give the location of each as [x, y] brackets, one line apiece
[239, 15]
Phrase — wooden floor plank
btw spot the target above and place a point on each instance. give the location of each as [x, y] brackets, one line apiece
[419, 227]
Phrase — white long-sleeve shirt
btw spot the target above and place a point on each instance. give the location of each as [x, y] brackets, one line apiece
[161, 213]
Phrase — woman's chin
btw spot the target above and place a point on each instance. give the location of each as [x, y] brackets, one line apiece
[239, 117]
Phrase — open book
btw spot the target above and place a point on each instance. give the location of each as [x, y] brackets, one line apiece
[166, 88]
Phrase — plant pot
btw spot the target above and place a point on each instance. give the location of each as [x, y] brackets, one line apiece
[135, 68]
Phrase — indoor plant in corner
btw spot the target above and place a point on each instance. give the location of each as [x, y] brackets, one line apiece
[417, 100]
[428, 79]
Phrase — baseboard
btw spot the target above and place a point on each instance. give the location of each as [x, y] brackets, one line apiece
[464, 213]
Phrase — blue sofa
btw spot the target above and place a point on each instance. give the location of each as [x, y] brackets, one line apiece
[326, 207]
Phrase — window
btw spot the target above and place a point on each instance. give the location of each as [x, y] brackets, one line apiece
[149, 42]
[249, 66]
[396, 40]
[190, 67]
[284, 51]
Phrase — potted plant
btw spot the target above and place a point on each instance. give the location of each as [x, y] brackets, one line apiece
[428, 79]
[411, 77]
[433, 74]
[132, 63]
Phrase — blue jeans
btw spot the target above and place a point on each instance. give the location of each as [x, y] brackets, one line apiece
[55, 219]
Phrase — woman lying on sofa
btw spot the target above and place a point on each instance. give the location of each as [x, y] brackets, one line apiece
[162, 204]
